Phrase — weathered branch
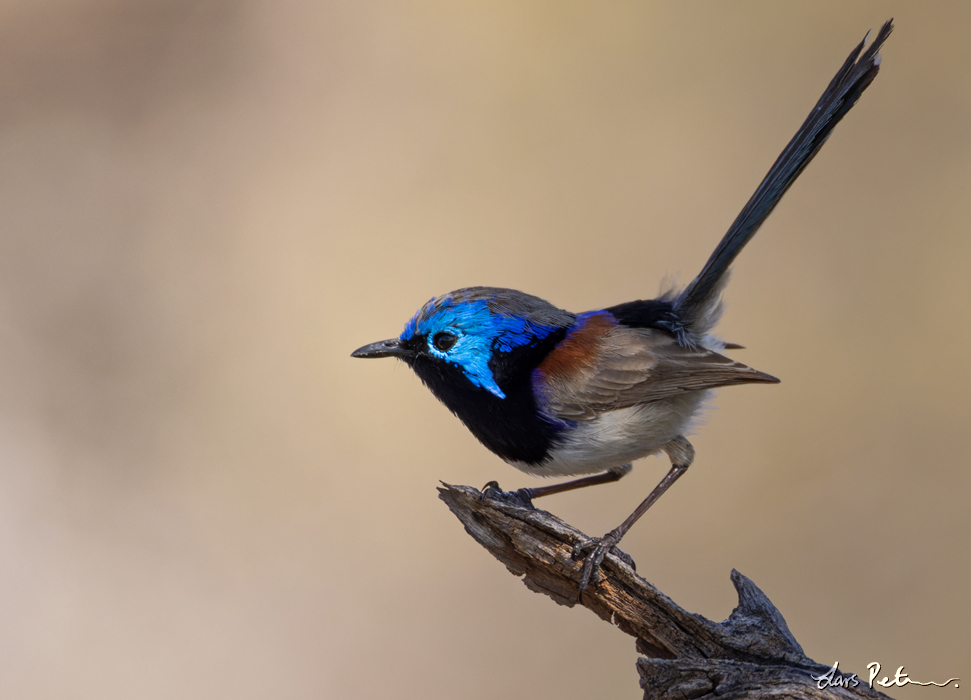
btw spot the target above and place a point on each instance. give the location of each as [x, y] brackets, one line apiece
[752, 654]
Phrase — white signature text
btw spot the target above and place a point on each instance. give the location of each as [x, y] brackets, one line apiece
[833, 678]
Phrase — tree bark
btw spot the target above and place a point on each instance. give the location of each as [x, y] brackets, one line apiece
[752, 654]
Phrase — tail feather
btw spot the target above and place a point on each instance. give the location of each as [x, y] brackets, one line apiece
[698, 305]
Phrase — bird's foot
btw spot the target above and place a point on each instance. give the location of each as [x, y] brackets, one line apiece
[595, 550]
[521, 498]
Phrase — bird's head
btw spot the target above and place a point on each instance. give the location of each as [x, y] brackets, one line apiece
[475, 338]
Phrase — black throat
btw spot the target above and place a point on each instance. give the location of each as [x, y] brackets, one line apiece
[511, 427]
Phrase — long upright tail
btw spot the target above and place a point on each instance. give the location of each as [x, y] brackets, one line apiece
[697, 305]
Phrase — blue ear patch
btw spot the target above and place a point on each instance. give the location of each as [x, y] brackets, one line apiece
[481, 333]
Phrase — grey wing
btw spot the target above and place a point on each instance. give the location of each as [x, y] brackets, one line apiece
[641, 365]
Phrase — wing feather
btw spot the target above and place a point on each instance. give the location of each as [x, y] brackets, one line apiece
[619, 367]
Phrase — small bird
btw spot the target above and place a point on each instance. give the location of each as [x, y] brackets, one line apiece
[555, 393]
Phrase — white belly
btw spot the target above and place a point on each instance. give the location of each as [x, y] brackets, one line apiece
[619, 437]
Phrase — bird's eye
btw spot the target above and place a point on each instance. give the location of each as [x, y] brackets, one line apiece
[443, 341]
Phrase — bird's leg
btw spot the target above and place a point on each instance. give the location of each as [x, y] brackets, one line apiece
[606, 477]
[682, 454]
[525, 496]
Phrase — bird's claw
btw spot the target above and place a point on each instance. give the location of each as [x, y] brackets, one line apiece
[591, 566]
[596, 549]
[521, 498]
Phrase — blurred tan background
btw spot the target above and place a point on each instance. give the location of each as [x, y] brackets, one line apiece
[206, 206]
